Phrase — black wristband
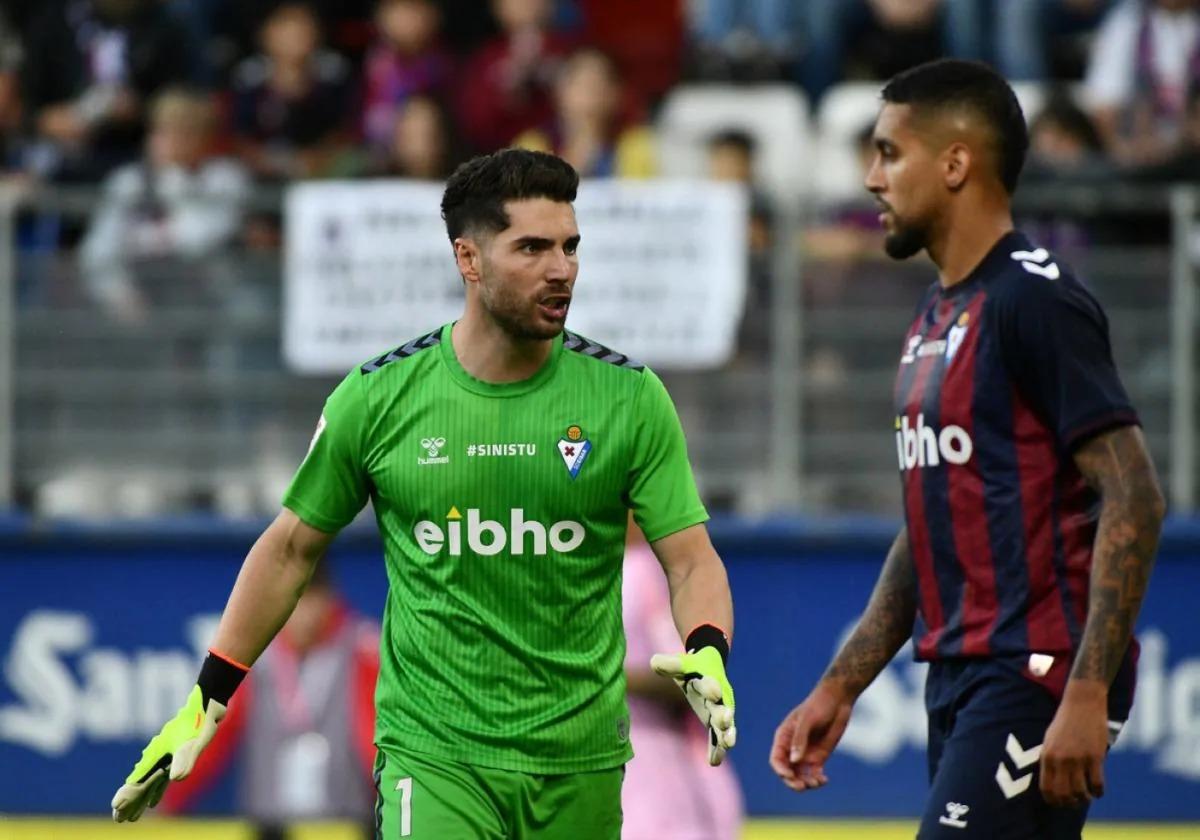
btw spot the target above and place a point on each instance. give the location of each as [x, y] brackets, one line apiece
[706, 635]
[218, 679]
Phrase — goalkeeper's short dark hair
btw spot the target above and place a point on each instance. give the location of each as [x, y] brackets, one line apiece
[952, 84]
[477, 191]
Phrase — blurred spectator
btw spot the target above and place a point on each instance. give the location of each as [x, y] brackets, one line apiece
[670, 791]
[587, 130]
[407, 61]
[234, 26]
[1064, 145]
[90, 66]
[174, 210]
[645, 39]
[1064, 142]
[1025, 31]
[422, 144]
[10, 94]
[744, 39]
[732, 158]
[291, 103]
[850, 232]
[302, 723]
[507, 83]
[1184, 164]
[879, 38]
[467, 24]
[1145, 59]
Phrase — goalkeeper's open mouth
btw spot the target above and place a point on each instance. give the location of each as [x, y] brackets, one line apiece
[555, 306]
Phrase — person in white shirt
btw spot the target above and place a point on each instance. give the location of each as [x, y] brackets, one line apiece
[179, 204]
[1144, 62]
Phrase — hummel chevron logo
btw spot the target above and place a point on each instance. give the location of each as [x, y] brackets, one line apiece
[955, 811]
[1031, 262]
[1039, 256]
[1021, 759]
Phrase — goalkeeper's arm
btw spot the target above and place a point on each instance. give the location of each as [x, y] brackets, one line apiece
[271, 580]
[703, 611]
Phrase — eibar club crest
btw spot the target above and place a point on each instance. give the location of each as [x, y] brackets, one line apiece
[574, 448]
[957, 333]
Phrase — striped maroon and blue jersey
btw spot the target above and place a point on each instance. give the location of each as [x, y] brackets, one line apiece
[1001, 377]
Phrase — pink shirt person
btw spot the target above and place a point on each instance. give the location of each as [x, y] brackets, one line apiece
[670, 791]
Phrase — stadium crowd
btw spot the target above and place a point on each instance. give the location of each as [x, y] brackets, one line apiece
[182, 119]
[293, 90]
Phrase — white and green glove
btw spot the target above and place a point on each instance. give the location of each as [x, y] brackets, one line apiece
[172, 753]
[700, 674]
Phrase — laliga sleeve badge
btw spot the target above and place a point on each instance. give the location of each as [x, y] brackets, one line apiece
[574, 448]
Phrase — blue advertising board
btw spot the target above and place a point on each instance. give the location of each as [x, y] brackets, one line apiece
[101, 633]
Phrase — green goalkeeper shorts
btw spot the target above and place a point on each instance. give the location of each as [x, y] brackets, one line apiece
[428, 798]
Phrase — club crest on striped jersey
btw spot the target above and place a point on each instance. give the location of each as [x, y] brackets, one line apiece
[958, 332]
[574, 448]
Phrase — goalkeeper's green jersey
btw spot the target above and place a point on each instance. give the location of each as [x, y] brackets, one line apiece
[503, 512]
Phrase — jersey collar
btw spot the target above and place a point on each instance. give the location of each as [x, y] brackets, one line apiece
[996, 259]
[497, 389]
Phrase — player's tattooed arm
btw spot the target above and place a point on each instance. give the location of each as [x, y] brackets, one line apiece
[1117, 465]
[884, 627]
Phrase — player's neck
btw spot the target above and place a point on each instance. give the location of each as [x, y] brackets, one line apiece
[963, 243]
[489, 354]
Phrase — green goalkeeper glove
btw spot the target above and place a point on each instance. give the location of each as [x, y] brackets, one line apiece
[172, 753]
[700, 674]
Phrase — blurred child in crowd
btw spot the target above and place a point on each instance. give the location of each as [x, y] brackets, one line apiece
[406, 61]
[291, 102]
[174, 210]
[588, 129]
[422, 143]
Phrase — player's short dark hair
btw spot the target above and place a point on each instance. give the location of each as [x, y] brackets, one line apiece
[477, 191]
[950, 83]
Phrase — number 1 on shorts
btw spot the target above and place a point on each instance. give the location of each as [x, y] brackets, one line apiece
[405, 787]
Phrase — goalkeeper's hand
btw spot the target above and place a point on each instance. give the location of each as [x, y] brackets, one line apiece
[172, 753]
[700, 674]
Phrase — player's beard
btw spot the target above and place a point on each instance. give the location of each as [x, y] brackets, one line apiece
[905, 241]
[515, 315]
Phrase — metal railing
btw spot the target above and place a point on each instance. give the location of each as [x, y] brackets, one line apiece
[192, 408]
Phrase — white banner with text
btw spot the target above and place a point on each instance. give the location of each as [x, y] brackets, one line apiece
[662, 274]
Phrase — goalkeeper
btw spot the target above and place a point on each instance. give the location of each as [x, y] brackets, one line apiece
[501, 455]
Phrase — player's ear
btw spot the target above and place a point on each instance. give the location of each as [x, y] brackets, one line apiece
[956, 165]
[468, 257]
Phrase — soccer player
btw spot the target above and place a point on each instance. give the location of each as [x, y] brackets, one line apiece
[1032, 508]
[502, 456]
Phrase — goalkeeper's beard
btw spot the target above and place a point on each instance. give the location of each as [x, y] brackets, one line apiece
[519, 317]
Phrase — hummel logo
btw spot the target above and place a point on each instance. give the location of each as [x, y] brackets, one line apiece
[1032, 261]
[433, 446]
[954, 815]
[1013, 786]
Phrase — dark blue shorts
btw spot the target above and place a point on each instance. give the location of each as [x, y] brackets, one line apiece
[986, 726]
